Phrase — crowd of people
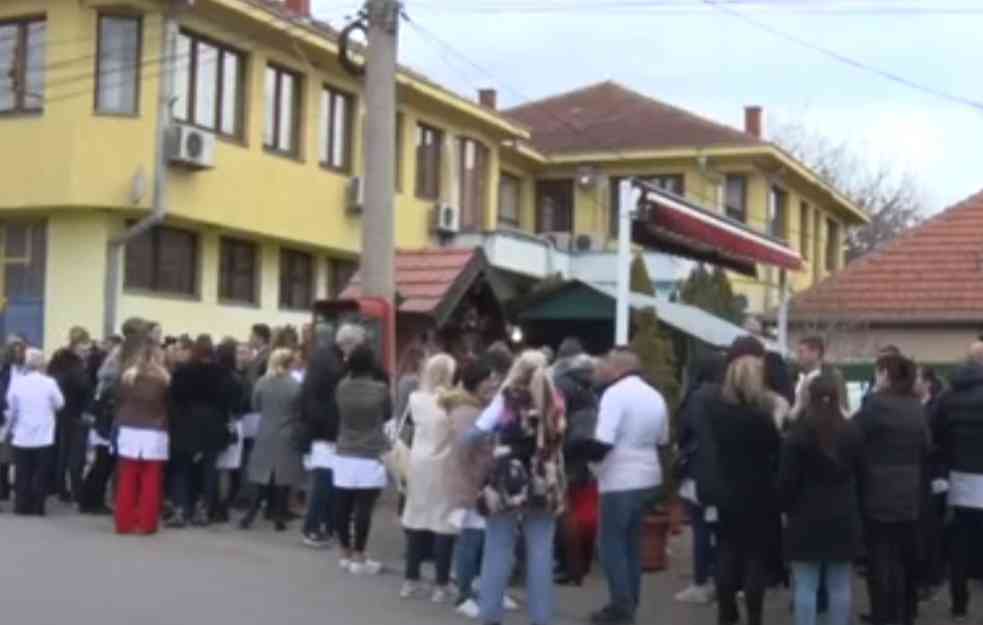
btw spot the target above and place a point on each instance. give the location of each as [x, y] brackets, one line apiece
[781, 482]
[483, 450]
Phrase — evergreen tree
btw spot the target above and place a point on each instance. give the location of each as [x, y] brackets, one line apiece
[651, 341]
[710, 290]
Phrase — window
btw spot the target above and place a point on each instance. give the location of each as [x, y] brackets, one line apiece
[340, 273]
[833, 245]
[554, 206]
[118, 64]
[210, 85]
[238, 277]
[777, 205]
[805, 230]
[337, 113]
[283, 111]
[735, 197]
[673, 183]
[296, 280]
[509, 199]
[429, 142]
[473, 175]
[163, 260]
[23, 46]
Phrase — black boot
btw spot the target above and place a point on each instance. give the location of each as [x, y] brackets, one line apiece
[251, 512]
[281, 504]
[4, 481]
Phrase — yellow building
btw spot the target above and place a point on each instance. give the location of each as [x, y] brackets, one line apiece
[262, 189]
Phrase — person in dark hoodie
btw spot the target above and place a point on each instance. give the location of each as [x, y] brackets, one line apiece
[319, 413]
[957, 423]
[199, 424]
[817, 485]
[238, 404]
[707, 372]
[896, 446]
[68, 368]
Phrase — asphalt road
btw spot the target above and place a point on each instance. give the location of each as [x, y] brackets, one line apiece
[72, 569]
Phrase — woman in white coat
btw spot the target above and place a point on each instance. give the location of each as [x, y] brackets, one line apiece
[32, 402]
[430, 499]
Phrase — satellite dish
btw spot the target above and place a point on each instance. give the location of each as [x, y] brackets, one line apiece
[138, 186]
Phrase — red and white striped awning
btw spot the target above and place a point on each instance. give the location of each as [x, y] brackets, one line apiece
[670, 223]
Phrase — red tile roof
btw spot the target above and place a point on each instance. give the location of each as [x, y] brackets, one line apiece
[423, 277]
[608, 116]
[933, 273]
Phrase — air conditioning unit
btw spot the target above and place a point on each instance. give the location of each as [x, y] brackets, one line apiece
[446, 218]
[587, 243]
[355, 202]
[559, 240]
[191, 147]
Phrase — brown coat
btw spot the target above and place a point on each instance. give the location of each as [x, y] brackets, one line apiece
[472, 464]
[143, 404]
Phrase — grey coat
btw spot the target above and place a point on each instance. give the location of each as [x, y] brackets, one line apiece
[276, 399]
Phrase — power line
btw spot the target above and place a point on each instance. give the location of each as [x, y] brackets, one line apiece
[692, 7]
[938, 93]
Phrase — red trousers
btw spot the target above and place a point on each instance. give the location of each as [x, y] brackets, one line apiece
[138, 495]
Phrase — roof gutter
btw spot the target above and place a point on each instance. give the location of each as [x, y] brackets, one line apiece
[115, 246]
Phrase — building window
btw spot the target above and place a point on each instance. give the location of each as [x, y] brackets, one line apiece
[340, 273]
[296, 280]
[833, 245]
[210, 85]
[23, 46]
[735, 197]
[554, 206]
[118, 64]
[777, 213]
[509, 199]
[429, 144]
[163, 260]
[238, 278]
[283, 111]
[473, 175]
[337, 113]
[805, 231]
[673, 183]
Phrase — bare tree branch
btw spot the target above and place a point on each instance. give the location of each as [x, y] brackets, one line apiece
[893, 200]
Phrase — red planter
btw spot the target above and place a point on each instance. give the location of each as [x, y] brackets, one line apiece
[677, 516]
[655, 539]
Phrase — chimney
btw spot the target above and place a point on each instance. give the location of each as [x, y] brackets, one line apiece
[299, 7]
[488, 98]
[753, 121]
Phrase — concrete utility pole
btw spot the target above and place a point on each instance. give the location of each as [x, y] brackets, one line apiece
[627, 205]
[378, 218]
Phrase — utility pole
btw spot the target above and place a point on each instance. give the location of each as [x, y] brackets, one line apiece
[628, 203]
[378, 218]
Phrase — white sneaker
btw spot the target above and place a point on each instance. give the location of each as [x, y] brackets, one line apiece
[344, 563]
[510, 604]
[440, 595]
[368, 567]
[411, 590]
[699, 595]
[469, 609]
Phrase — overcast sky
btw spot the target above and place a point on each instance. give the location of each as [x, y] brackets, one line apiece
[713, 63]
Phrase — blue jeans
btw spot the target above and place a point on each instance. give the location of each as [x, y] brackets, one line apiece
[320, 509]
[467, 560]
[496, 568]
[621, 547]
[838, 582]
[704, 549]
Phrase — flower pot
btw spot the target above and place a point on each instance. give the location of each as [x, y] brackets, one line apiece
[677, 516]
[655, 537]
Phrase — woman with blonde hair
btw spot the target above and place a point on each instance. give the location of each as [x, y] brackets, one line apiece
[429, 495]
[526, 485]
[142, 441]
[275, 461]
[744, 445]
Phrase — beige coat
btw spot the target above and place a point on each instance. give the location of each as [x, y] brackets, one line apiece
[429, 496]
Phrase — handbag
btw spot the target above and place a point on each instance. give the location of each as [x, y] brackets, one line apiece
[397, 459]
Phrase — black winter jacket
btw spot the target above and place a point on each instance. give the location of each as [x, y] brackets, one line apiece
[957, 422]
[72, 376]
[202, 404]
[819, 494]
[896, 447]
